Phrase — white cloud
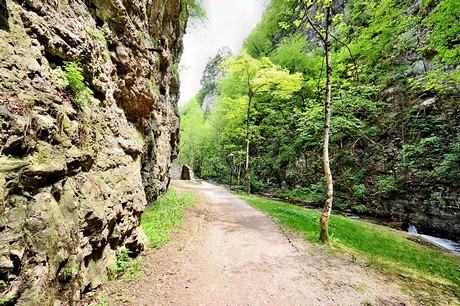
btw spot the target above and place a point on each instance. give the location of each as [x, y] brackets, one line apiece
[229, 23]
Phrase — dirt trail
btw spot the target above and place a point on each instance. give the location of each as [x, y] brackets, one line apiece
[231, 254]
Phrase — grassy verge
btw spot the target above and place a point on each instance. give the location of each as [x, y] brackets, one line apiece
[162, 216]
[383, 247]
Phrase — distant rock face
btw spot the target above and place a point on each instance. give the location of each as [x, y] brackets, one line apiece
[212, 74]
[74, 179]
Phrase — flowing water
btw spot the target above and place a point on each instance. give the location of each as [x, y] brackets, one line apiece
[445, 243]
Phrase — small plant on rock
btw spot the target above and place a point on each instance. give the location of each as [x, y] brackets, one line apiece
[124, 265]
[71, 268]
[73, 74]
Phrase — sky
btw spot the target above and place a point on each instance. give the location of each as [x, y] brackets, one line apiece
[228, 23]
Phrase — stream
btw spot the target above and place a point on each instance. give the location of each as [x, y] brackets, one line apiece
[444, 243]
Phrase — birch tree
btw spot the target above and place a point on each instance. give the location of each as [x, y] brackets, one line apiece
[324, 16]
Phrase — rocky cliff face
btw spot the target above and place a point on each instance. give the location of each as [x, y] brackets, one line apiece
[83, 149]
[212, 75]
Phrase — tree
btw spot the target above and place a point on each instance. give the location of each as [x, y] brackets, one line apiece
[191, 9]
[253, 77]
[325, 37]
[194, 132]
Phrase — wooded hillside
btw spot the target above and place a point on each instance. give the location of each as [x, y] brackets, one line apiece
[395, 143]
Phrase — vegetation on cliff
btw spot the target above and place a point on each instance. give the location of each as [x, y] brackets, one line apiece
[395, 122]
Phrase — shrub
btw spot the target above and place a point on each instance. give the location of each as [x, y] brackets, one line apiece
[192, 9]
[387, 183]
[74, 76]
[314, 192]
[71, 268]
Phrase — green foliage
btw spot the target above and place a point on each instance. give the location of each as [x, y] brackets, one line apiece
[74, 76]
[7, 299]
[449, 168]
[73, 73]
[195, 138]
[423, 155]
[313, 193]
[294, 54]
[71, 268]
[387, 183]
[98, 34]
[383, 247]
[359, 191]
[359, 208]
[207, 140]
[191, 9]
[445, 35]
[122, 261]
[124, 265]
[441, 201]
[253, 76]
[163, 215]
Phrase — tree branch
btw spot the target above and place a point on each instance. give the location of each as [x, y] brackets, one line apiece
[312, 24]
[351, 55]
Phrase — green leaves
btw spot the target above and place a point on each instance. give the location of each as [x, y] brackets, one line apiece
[75, 80]
[194, 135]
[257, 76]
[192, 9]
[445, 36]
[73, 74]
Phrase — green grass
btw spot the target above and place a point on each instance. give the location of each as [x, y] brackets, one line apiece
[163, 215]
[383, 247]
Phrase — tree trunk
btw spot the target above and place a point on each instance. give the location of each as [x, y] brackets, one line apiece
[239, 174]
[324, 220]
[248, 173]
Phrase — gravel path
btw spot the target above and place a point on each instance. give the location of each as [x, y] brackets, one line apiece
[231, 254]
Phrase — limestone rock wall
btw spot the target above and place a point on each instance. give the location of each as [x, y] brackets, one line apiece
[74, 179]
